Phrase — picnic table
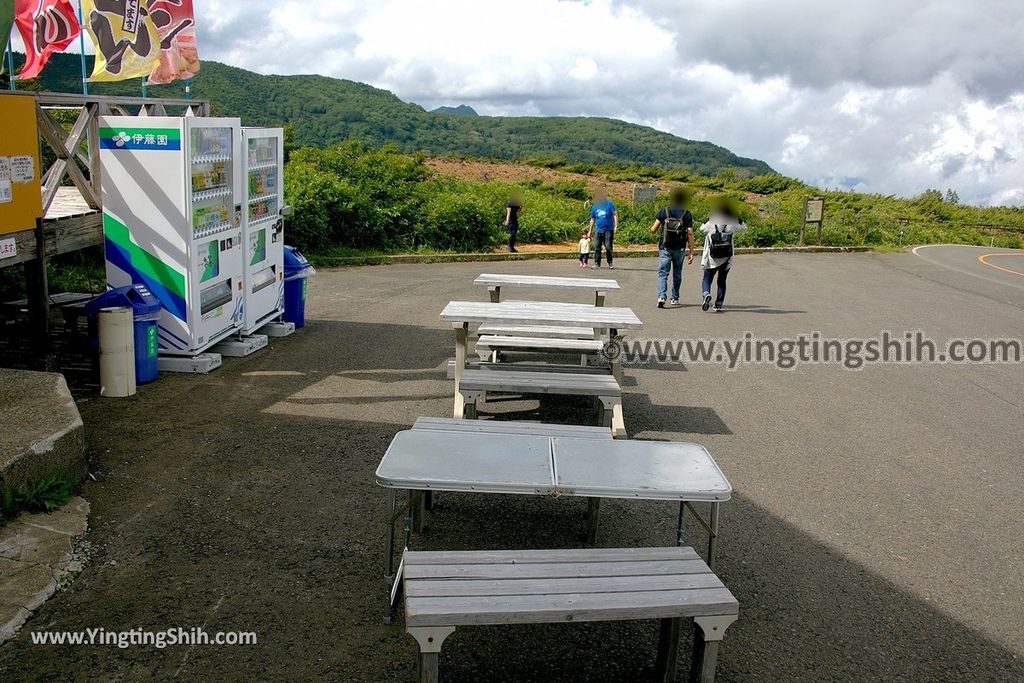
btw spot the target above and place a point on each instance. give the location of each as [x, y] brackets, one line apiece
[494, 282]
[461, 314]
[421, 460]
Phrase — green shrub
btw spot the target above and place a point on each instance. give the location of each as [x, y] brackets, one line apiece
[458, 221]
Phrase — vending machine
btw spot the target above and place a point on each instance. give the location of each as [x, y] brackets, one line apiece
[262, 226]
[172, 220]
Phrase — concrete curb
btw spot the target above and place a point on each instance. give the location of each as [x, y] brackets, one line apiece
[392, 259]
[44, 435]
[39, 554]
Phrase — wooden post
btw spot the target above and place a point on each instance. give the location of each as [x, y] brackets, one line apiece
[428, 667]
[39, 301]
[461, 334]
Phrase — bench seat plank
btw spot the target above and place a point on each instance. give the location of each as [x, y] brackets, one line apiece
[548, 556]
[540, 344]
[446, 424]
[558, 282]
[532, 313]
[546, 331]
[531, 367]
[540, 383]
[554, 570]
[536, 609]
[561, 586]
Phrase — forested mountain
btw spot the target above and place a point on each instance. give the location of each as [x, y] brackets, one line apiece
[326, 110]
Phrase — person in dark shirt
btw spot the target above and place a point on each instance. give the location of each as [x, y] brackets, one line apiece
[512, 209]
[604, 221]
[675, 223]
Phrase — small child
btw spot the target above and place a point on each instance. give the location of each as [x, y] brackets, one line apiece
[585, 249]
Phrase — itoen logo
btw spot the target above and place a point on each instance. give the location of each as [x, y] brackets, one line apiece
[122, 138]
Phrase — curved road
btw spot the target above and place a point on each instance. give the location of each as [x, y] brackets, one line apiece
[996, 273]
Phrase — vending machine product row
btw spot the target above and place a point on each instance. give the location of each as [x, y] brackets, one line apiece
[178, 218]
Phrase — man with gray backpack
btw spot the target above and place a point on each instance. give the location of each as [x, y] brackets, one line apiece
[676, 225]
[717, 257]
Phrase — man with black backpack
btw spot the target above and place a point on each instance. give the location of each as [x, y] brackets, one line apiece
[676, 225]
[717, 257]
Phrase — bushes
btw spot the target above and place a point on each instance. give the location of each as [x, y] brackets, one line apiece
[346, 197]
[455, 220]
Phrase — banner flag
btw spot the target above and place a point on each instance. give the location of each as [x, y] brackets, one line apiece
[6, 24]
[126, 40]
[46, 26]
[176, 27]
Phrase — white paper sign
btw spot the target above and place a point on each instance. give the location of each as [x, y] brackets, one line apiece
[6, 197]
[8, 248]
[5, 168]
[22, 169]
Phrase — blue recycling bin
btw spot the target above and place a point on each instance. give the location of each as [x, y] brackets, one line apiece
[146, 310]
[296, 271]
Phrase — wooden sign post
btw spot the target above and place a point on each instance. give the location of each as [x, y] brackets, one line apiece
[814, 212]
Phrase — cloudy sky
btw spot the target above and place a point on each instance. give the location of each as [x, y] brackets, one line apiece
[890, 96]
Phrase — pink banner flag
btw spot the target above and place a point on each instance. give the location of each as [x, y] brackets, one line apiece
[176, 27]
[46, 26]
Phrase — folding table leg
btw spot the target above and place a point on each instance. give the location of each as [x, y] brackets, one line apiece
[668, 650]
[713, 536]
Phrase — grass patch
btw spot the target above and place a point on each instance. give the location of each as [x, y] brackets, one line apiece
[45, 495]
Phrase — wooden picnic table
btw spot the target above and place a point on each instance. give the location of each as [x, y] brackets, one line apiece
[461, 314]
[494, 282]
[421, 460]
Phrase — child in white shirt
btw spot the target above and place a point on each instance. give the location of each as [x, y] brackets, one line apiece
[585, 249]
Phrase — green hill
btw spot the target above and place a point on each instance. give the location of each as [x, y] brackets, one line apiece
[326, 110]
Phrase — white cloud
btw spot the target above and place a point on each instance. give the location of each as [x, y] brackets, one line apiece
[890, 97]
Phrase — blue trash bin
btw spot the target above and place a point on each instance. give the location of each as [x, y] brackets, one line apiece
[146, 310]
[296, 271]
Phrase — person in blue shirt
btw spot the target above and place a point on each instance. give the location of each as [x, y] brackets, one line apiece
[604, 221]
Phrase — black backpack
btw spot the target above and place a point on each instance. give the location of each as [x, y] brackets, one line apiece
[673, 228]
[721, 244]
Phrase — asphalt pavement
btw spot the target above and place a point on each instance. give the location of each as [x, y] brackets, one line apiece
[874, 533]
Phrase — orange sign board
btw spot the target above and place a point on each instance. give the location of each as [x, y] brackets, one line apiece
[20, 198]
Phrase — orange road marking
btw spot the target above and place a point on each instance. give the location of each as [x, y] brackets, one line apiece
[992, 265]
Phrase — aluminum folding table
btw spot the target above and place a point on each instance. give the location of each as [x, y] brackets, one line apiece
[423, 460]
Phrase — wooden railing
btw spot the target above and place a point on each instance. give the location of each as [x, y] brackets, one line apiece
[82, 142]
[76, 157]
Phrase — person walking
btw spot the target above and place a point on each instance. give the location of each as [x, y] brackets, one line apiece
[604, 221]
[584, 249]
[512, 209]
[718, 255]
[676, 225]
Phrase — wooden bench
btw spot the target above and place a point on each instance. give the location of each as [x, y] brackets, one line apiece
[449, 424]
[494, 283]
[605, 388]
[445, 590]
[546, 331]
[488, 346]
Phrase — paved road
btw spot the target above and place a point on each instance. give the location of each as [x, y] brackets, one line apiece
[874, 535]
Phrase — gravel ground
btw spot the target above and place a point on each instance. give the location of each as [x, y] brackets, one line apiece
[873, 534]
